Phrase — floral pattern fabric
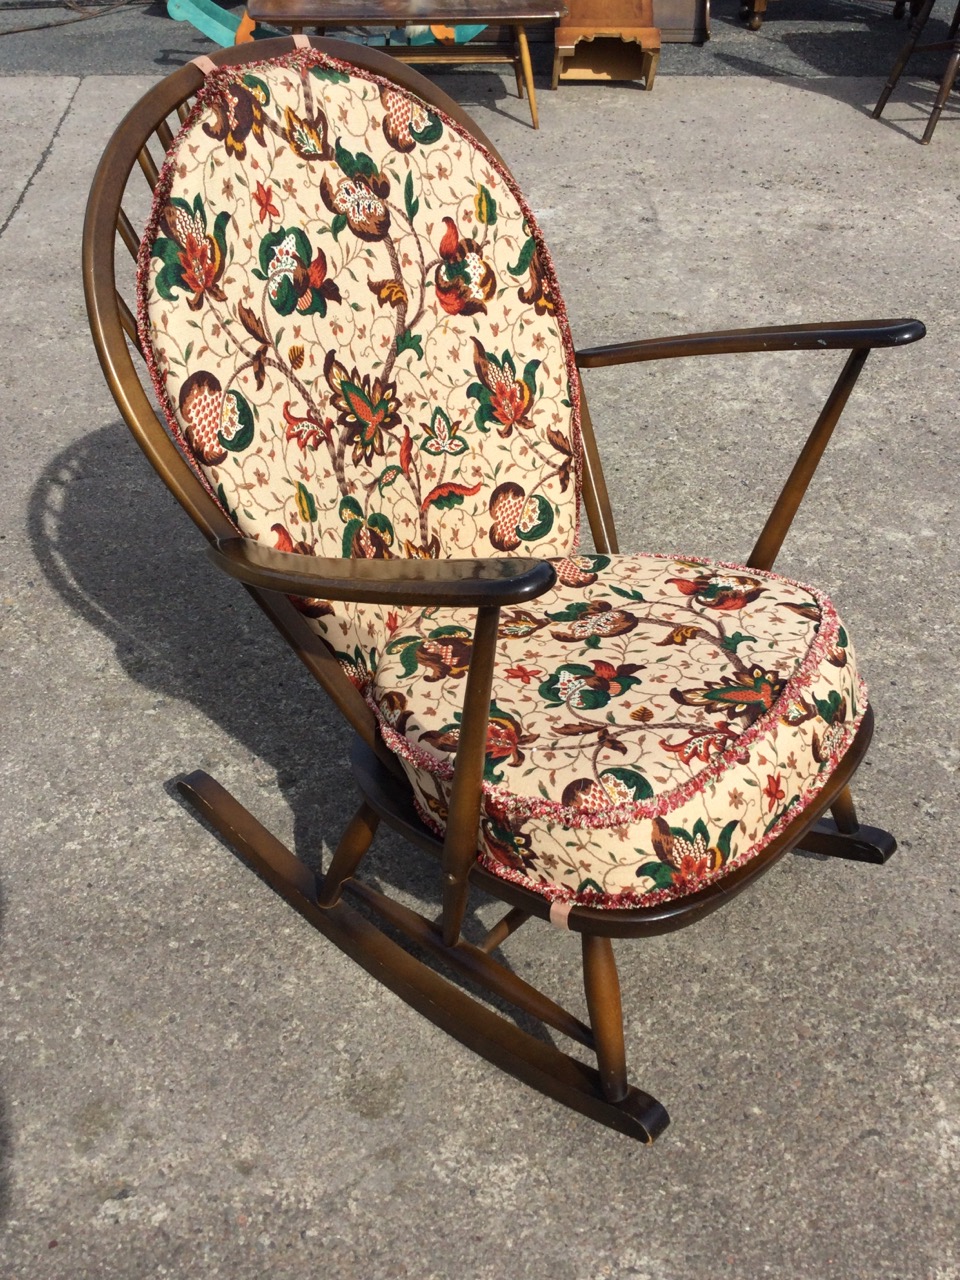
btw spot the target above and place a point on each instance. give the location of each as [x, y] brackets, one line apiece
[355, 328]
[356, 334]
[654, 722]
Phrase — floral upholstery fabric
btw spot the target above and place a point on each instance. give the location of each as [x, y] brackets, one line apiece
[356, 334]
[354, 327]
[654, 722]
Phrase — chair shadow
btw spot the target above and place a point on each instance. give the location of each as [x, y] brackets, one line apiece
[123, 556]
[119, 552]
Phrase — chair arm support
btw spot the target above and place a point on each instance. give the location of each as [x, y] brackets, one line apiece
[456, 583]
[852, 335]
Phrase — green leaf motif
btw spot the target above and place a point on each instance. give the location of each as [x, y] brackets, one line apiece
[723, 843]
[526, 257]
[388, 476]
[431, 131]
[345, 159]
[572, 613]
[236, 423]
[731, 643]
[637, 784]
[485, 206]
[350, 531]
[536, 519]
[412, 204]
[222, 496]
[279, 251]
[661, 873]
[354, 166]
[828, 708]
[259, 88]
[442, 436]
[326, 73]
[306, 505]
[381, 524]
[408, 341]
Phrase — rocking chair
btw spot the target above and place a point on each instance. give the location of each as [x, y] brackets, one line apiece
[370, 405]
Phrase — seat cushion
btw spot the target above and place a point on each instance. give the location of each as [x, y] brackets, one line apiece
[655, 722]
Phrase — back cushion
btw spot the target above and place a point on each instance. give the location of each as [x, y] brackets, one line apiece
[353, 325]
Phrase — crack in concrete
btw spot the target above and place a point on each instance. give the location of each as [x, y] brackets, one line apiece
[41, 162]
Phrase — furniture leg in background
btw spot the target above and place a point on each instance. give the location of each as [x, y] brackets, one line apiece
[952, 43]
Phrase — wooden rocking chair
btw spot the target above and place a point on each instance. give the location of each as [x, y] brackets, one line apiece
[371, 408]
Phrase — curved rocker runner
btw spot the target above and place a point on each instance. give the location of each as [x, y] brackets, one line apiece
[371, 407]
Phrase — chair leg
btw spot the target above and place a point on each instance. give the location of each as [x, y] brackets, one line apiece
[946, 84]
[354, 843]
[843, 835]
[903, 57]
[602, 985]
[752, 13]
[494, 1037]
[517, 67]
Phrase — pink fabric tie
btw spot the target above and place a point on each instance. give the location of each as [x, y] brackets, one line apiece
[559, 914]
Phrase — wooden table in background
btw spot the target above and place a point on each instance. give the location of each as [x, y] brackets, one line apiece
[330, 15]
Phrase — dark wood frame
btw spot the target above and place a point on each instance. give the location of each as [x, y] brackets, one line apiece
[486, 585]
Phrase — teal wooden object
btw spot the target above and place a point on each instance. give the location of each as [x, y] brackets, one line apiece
[209, 19]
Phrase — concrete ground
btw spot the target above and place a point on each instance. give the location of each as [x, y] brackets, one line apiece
[192, 1082]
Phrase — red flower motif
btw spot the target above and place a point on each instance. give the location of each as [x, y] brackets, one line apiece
[264, 199]
[723, 591]
[200, 259]
[702, 746]
[504, 398]
[773, 791]
[524, 674]
[306, 431]
[365, 408]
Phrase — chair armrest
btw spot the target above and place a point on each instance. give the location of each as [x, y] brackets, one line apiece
[853, 335]
[456, 583]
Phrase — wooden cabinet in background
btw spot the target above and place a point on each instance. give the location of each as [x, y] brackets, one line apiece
[606, 40]
[620, 39]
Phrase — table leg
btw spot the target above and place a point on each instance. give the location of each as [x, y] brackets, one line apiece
[527, 71]
[517, 70]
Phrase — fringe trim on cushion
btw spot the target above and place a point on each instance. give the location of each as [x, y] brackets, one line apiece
[655, 897]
